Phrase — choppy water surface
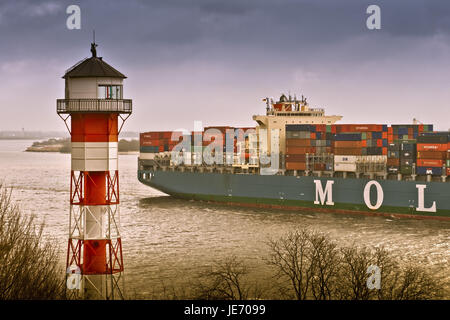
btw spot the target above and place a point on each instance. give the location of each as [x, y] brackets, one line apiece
[166, 240]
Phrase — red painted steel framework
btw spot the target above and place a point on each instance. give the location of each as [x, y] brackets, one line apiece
[94, 244]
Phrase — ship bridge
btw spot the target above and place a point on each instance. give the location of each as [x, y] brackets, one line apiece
[288, 110]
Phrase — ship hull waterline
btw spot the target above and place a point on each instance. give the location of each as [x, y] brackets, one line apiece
[400, 198]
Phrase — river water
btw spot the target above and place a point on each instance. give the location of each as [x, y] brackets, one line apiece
[166, 240]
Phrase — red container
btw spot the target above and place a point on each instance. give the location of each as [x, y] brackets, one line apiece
[393, 162]
[149, 136]
[321, 127]
[437, 155]
[432, 147]
[295, 157]
[358, 127]
[319, 166]
[166, 134]
[295, 166]
[390, 130]
[429, 163]
[384, 151]
[348, 144]
[150, 142]
[384, 135]
[348, 151]
[300, 150]
[379, 143]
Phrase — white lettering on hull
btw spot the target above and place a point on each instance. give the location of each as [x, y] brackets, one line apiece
[324, 194]
[421, 199]
[380, 195]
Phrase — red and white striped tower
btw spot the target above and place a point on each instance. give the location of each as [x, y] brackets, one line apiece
[94, 102]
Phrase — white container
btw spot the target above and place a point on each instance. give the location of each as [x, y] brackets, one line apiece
[347, 167]
[147, 156]
[346, 159]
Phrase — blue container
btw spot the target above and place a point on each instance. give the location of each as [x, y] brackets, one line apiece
[377, 135]
[301, 127]
[432, 139]
[374, 151]
[385, 128]
[318, 135]
[385, 143]
[347, 137]
[149, 149]
[402, 131]
[410, 147]
[435, 171]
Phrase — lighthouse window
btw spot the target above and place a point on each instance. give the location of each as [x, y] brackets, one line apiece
[109, 92]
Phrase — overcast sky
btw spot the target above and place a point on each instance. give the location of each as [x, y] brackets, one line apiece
[214, 61]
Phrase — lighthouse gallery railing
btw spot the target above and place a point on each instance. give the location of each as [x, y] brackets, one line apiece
[94, 105]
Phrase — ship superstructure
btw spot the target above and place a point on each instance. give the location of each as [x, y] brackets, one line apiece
[288, 110]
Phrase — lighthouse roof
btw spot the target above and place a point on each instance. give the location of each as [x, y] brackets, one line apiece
[93, 67]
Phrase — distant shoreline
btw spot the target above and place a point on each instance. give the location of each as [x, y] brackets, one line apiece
[126, 147]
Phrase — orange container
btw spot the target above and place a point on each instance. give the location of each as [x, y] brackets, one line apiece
[295, 166]
[298, 142]
[348, 144]
[432, 147]
[390, 130]
[429, 163]
[384, 151]
[384, 135]
[313, 136]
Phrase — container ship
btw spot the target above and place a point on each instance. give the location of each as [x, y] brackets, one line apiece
[298, 158]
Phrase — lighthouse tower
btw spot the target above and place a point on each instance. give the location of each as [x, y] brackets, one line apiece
[97, 111]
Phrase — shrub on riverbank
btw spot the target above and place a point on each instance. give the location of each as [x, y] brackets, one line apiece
[29, 266]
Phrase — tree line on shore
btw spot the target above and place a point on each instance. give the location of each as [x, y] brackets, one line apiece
[63, 145]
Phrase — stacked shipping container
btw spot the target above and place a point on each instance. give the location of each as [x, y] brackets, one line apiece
[433, 153]
[309, 147]
[402, 153]
[360, 148]
[161, 141]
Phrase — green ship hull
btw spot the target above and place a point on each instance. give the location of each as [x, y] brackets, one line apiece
[399, 198]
